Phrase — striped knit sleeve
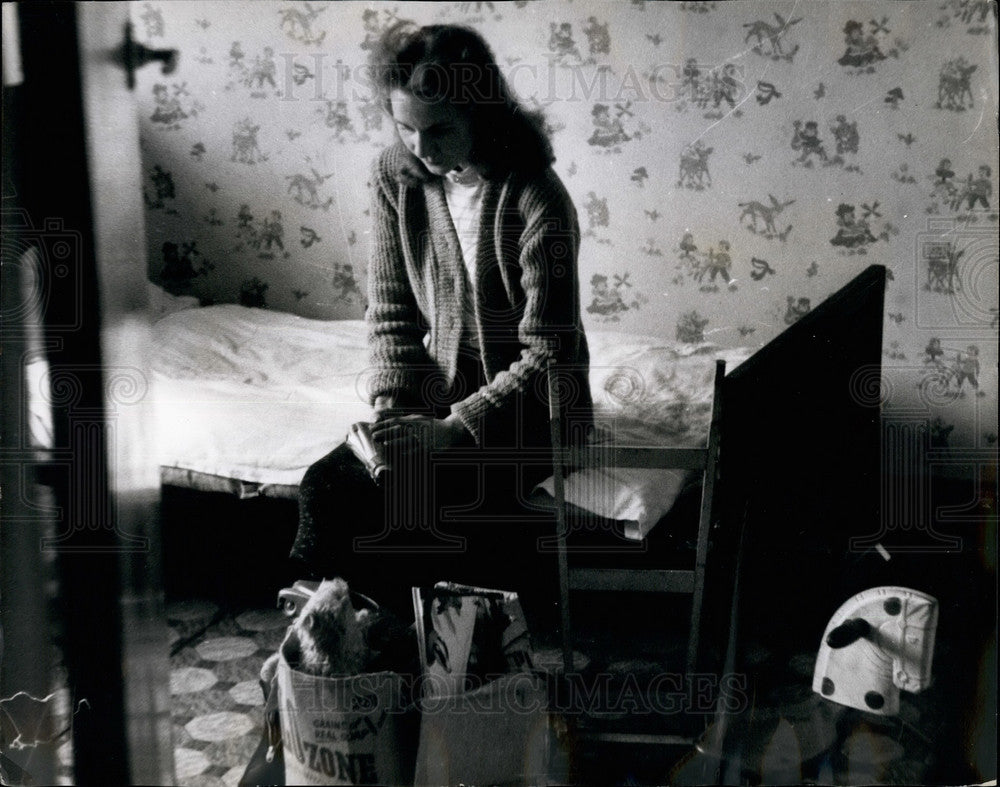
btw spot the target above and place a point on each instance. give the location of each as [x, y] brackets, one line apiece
[395, 326]
[550, 325]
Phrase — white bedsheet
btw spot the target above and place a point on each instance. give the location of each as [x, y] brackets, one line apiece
[259, 395]
[647, 391]
[254, 394]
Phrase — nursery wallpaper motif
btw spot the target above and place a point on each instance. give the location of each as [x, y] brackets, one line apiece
[732, 163]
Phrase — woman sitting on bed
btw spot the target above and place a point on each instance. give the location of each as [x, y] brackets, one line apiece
[472, 290]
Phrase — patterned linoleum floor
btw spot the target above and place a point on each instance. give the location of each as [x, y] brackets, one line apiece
[216, 708]
[216, 700]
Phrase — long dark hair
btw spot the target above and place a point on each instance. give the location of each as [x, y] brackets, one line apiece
[454, 63]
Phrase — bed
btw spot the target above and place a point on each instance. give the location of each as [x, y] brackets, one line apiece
[248, 398]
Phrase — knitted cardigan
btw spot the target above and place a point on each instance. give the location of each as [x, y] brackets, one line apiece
[525, 292]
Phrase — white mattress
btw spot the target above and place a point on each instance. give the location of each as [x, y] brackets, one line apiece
[254, 394]
[249, 398]
[258, 396]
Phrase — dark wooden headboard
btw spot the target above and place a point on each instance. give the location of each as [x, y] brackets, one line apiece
[800, 465]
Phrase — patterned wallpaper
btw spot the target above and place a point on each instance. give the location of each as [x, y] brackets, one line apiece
[732, 163]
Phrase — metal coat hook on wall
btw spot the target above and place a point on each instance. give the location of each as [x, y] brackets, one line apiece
[133, 55]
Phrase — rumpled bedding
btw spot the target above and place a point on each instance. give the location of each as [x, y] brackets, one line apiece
[254, 394]
[259, 395]
[647, 392]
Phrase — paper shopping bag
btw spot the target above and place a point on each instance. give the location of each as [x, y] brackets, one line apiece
[483, 713]
[349, 730]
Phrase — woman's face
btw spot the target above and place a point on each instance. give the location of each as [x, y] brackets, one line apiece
[438, 133]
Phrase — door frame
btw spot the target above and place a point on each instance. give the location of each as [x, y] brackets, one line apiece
[107, 628]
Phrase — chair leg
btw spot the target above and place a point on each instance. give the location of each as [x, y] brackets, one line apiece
[564, 619]
[705, 521]
[701, 557]
[558, 476]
